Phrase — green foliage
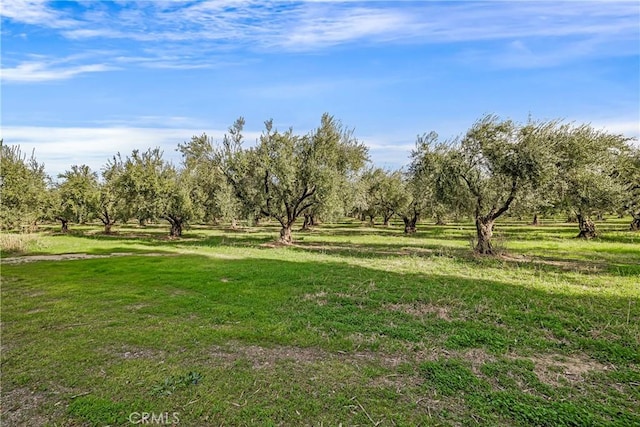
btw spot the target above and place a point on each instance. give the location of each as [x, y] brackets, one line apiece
[23, 189]
[384, 193]
[587, 160]
[142, 179]
[211, 193]
[151, 188]
[287, 175]
[77, 196]
[628, 175]
[176, 382]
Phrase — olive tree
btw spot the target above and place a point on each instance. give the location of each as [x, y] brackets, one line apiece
[587, 182]
[76, 196]
[211, 190]
[385, 193]
[286, 175]
[427, 189]
[629, 176]
[492, 164]
[153, 189]
[23, 188]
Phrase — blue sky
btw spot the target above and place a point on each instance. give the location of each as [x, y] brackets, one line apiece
[84, 80]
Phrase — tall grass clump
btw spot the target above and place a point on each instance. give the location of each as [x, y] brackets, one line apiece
[15, 243]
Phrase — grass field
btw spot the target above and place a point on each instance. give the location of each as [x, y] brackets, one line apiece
[352, 325]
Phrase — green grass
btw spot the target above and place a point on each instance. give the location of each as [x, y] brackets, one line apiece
[353, 325]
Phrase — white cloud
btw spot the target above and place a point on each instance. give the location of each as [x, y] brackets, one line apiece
[629, 128]
[41, 71]
[312, 25]
[60, 147]
[35, 12]
[594, 29]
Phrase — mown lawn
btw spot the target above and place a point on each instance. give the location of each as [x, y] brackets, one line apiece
[352, 325]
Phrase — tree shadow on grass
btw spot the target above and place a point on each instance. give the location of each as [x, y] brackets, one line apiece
[620, 261]
[181, 309]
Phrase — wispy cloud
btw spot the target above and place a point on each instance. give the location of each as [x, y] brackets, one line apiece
[35, 12]
[42, 71]
[300, 25]
[162, 34]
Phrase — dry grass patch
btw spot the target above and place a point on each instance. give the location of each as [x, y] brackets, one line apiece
[319, 297]
[553, 369]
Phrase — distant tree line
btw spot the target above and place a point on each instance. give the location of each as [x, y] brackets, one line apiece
[497, 167]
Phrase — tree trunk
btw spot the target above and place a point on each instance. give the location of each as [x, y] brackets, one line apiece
[635, 224]
[439, 220]
[410, 224]
[107, 227]
[371, 220]
[484, 231]
[587, 228]
[535, 220]
[176, 227]
[142, 222]
[234, 224]
[65, 225]
[285, 234]
[308, 222]
[386, 220]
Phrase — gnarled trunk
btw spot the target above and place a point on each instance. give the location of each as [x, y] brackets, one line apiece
[308, 222]
[176, 229]
[484, 232]
[234, 224]
[142, 222]
[410, 224]
[587, 227]
[386, 219]
[64, 228]
[285, 234]
[635, 224]
[177, 224]
[107, 227]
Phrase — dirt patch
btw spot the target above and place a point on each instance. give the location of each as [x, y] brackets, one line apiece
[319, 297]
[264, 357]
[127, 352]
[71, 257]
[20, 407]
[554, 368]
[397, 382]
[420, 309]
[136, 307]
